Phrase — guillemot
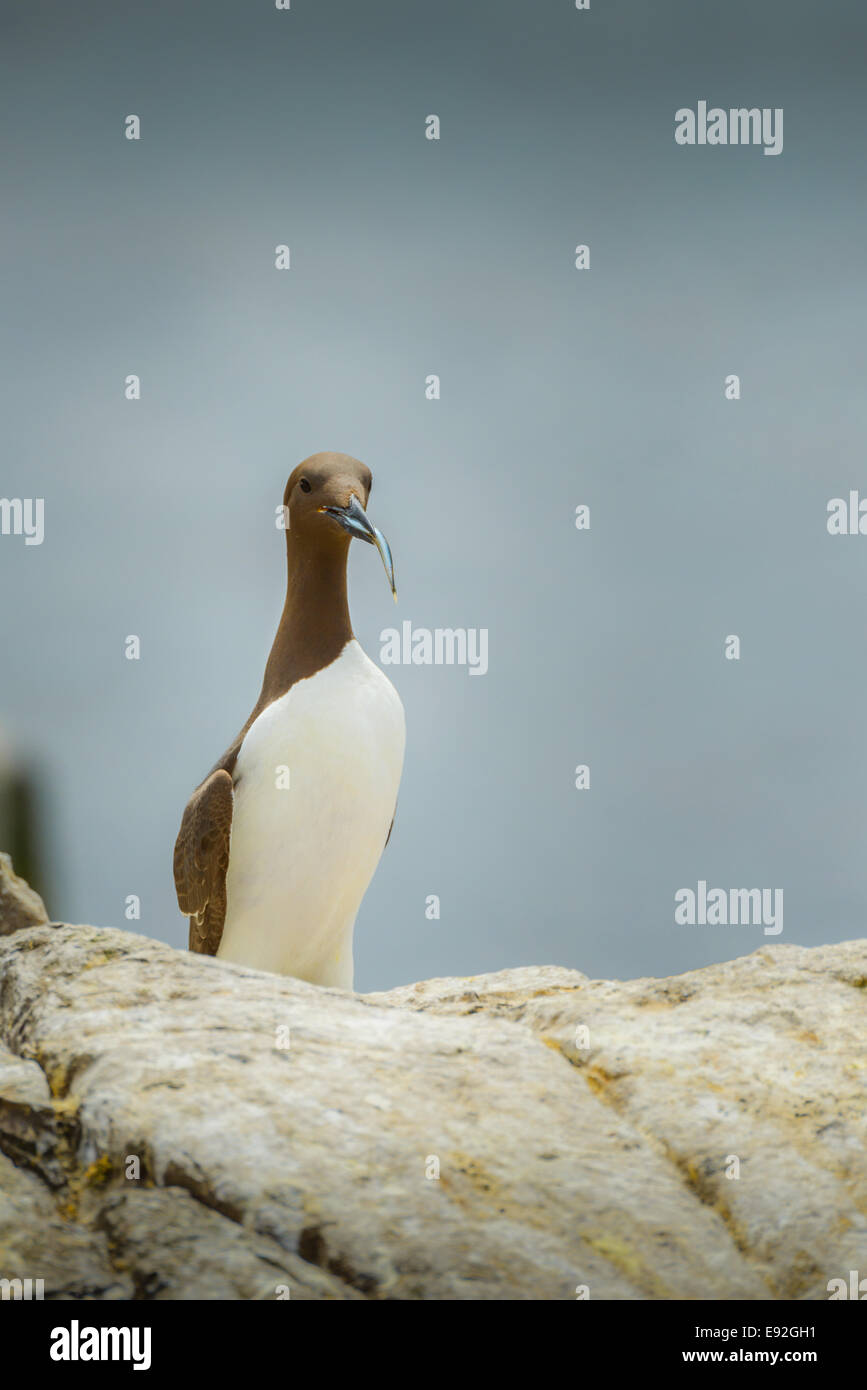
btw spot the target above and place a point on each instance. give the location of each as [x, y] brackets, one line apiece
[279, 842]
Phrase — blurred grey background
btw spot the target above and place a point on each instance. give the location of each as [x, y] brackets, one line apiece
[412, 257]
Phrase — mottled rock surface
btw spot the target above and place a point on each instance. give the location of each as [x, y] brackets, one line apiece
[176, 1127]
[19, 905]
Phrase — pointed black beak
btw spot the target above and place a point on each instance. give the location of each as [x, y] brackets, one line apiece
[354, 519]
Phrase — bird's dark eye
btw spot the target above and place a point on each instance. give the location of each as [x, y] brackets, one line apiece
[304, 485]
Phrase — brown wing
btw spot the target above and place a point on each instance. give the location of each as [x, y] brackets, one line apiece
[202, 858]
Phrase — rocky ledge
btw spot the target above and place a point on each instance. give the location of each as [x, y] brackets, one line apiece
[175, 1127]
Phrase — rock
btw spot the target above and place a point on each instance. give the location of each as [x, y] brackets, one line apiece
[175, 1127]
[19, 905]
